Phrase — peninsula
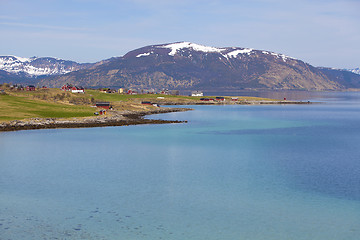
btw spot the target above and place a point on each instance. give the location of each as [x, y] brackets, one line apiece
[53, 108]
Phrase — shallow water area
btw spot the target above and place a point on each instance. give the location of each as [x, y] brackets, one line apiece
[231, 172]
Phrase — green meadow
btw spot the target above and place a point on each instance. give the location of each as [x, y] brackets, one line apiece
[17, 108]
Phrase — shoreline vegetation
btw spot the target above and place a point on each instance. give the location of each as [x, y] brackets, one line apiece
[52, 108]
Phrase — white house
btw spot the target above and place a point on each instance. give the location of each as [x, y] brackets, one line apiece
[197, 94]
[77, 90]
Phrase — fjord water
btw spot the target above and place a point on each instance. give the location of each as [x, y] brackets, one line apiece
[231, 172]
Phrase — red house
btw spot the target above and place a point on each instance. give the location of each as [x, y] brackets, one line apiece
[30, 88]
[207, 99]
[105, 105]
[132, 92]
[66, 87]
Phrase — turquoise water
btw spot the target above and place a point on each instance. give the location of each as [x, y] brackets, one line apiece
[232, 172]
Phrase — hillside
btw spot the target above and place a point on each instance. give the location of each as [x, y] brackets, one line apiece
[182, 66]
[190, 66]
[347, 79]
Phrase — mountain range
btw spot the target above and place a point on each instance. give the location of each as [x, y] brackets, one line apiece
[183, 66]
[21, 69]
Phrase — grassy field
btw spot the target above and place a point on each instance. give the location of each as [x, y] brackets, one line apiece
[17, 108]
[54, 103]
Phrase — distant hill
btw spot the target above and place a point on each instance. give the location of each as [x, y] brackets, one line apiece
[186, 66]
[20, 69]
[347, 79]
[354, 70]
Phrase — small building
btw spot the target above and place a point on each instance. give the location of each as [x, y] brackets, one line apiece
[132, 92]
[76, 89]
[105, 105]
[221, 99]
[17, 87]
[66, 87]
[207, 99]
[30, 88]
[101, 112]
[234, 99]
[146, 103]
[150, 103]
[165, 92]
[121, 91]
[105, 90]
[197, 94]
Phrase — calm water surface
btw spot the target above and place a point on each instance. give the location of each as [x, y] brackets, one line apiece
[232, 172]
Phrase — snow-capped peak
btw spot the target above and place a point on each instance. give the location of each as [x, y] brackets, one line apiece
[35, 66]
[355, 70]
[228, 53]
[181, 45]
[13, 59]
[21, 59]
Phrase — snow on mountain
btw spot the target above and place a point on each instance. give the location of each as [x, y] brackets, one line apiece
[226, 52]
[144, 54]
[7, 61]
[235, 53]
[278, 55]
[176, 47]
[185, 65]
[181, 45]
[355, 70]
[35, 66]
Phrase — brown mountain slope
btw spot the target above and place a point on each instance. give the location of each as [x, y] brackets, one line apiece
[191, 66]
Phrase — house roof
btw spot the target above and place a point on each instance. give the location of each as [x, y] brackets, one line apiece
[102, 103]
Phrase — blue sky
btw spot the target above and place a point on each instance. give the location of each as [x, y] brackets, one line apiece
[320, 32]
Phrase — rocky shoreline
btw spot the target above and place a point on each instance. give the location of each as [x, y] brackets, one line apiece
[114, 119]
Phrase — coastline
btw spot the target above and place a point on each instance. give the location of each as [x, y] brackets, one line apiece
[121, 118]
[116, 118]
